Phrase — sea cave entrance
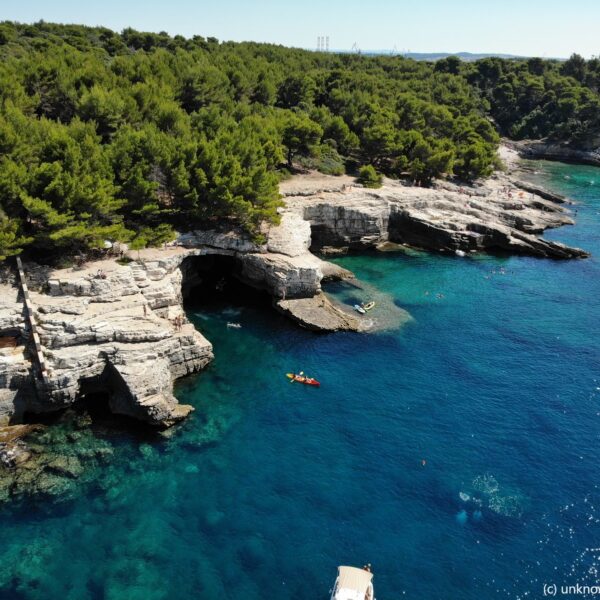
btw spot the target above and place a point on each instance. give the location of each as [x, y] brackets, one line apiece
[216, 280]
[103, 403]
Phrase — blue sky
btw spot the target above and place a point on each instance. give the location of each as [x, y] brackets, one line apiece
[527, 27]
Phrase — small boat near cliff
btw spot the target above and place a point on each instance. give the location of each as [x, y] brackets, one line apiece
[353, 584]
[369, 305]
[302, 379]
[358, 308]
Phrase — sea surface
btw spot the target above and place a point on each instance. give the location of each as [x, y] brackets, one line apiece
[457, 453]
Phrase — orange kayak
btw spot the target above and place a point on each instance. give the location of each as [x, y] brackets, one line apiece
[302, 379]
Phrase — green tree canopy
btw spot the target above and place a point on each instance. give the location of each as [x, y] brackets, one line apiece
[131, 136]
[300, 134]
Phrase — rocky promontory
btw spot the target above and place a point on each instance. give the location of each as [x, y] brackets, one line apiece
[501, 214]
[118, 328]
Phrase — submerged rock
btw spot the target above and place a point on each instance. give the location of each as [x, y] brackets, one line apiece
[13, 454]
[67, 466]
[498, 499]
[11, 433]
[48, 461]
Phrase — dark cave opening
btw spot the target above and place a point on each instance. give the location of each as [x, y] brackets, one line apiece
[215, 280]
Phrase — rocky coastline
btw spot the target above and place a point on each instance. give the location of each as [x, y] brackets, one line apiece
[119, 328]
[588, 154]
[501, 214]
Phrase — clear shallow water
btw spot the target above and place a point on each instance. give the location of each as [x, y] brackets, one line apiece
[271, 485]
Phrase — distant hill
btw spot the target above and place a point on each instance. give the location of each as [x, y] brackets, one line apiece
[433, 56]
[466, 56]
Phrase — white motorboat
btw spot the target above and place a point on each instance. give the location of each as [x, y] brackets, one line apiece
[234, 325]
[353, 584]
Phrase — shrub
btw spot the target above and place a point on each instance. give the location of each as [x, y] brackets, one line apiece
[369, 177]
[325, 159]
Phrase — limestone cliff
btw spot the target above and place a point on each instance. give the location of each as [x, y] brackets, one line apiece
[16, 379]
[120, 329]
[110, 329]
[498, 215]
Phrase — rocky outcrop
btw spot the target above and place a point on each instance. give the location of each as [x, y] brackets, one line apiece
[284, 267]
[120, 329]
[318, 314]
[497, 215]
[49, 462]
[563, 151]
[540, 191]
[112, 329]
[16, 380]
[349, 224]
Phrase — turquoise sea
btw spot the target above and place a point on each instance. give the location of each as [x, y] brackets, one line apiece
[457, 453]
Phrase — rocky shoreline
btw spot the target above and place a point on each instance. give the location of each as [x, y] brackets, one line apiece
[501, 214]
[120, 329]
[561, 151]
